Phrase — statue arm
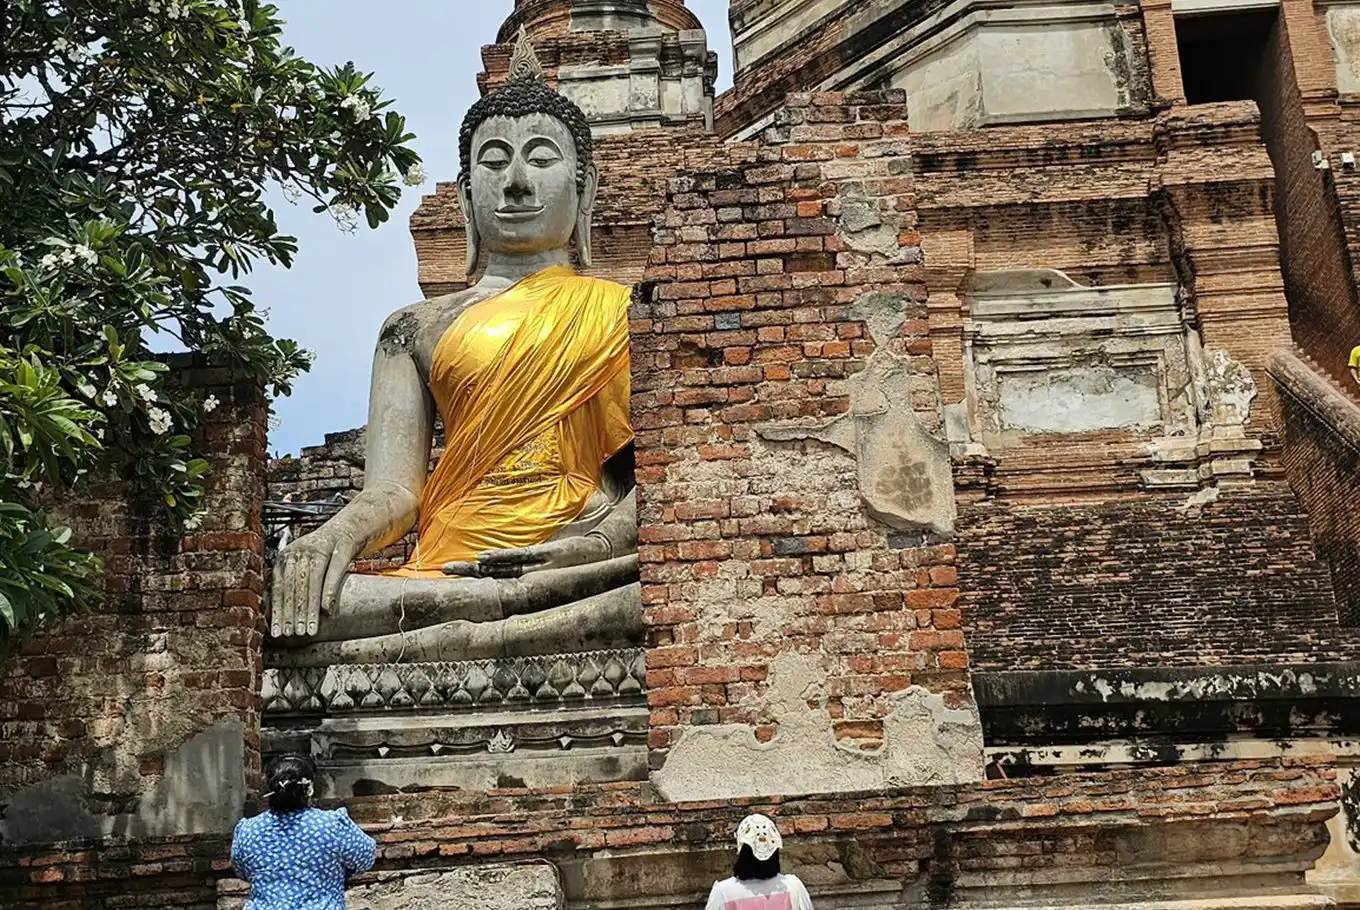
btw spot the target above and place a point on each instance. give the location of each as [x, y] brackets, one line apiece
[397, 461]
[309, 574]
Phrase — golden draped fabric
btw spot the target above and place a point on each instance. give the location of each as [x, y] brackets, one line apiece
[533, 388]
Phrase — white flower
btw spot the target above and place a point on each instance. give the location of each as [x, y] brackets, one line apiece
[244, 26]
[153, 6]
[195, 520]
[358, 106]
[346, 217]
[67, 257]
[210, 404]
[414, 176]
[147, 393]
[99, 433]
[110, 398]
[160, 420]
[83, 252]
[49, 261]
[295, 87]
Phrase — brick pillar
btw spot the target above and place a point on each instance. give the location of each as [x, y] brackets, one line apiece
[796, 641]
[142, 716]
[1163, 52]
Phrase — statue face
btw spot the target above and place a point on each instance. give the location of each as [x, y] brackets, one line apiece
[523, 190]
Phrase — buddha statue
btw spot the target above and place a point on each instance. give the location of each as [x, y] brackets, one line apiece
[527, 527]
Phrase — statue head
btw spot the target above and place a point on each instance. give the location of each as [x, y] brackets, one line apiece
[528, 178]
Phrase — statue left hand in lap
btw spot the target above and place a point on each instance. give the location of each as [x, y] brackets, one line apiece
[527, 528]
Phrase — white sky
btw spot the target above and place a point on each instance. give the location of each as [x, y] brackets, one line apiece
[425, 54]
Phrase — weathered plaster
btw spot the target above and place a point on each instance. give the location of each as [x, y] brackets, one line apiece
[201, 791]
[1343, 27]
[925, 742]
[904, 473]
[532, 886]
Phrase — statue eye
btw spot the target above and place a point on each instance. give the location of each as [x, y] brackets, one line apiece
[543, 157]
[494, 158]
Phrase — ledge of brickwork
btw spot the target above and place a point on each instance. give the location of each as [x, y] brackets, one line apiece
[1218, 831]
[1174, 704]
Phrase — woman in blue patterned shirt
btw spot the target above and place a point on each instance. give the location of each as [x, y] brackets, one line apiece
[294, 856]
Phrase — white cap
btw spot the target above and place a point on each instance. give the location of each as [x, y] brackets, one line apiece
[760, 834]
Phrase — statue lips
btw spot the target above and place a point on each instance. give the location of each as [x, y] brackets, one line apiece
[519, 213]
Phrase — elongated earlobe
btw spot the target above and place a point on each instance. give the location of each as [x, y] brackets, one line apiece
[473, 241]
[584, 214]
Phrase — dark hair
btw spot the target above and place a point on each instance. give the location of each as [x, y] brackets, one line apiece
[289, 782]
[748, 868]
[519, 98]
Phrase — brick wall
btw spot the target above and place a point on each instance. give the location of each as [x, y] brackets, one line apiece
[751, 551]
[172, 873]
[1322, 459]
[1112, 833]
[1145, 583]
[1323, 312]
[105, 715]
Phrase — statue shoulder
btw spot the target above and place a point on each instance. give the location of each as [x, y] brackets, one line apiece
[403, 329]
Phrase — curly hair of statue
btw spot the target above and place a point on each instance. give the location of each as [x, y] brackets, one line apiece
[526, 92]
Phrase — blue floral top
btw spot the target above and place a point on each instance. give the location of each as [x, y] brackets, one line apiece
[300, 860]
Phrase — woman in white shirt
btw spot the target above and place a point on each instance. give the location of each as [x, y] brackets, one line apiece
[756, 882]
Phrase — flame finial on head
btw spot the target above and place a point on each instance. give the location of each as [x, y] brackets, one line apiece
[524, 63]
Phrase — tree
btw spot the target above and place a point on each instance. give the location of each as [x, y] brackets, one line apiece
[138, 140]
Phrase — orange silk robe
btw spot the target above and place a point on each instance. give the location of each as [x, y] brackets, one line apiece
[533, 388]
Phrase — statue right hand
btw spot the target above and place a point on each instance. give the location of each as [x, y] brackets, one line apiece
[307, 581]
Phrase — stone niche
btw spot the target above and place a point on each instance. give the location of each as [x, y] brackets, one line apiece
[1046, 357]
[977, 64]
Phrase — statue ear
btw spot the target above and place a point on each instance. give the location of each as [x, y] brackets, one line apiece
[584, 213]
[473, 241]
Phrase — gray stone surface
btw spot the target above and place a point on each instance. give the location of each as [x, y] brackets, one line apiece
[55, 810]
[533, 886]
[547, 681]
[201, 791]
[964, 64]
[203, 788]
[478, 752]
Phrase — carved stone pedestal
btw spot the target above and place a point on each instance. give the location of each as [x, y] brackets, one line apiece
[547, 721]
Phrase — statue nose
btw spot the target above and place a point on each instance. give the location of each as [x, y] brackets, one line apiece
[518, 187]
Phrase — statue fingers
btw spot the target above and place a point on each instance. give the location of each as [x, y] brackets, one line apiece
[308, 621]
[278, 596]
[513, 563]
[297, 594]
[462, 569]
[336, 570]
